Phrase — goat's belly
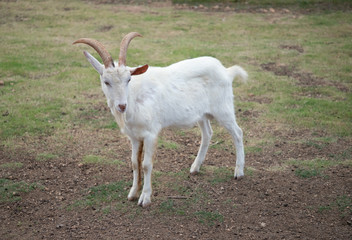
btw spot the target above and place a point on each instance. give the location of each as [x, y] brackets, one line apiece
[183, 117]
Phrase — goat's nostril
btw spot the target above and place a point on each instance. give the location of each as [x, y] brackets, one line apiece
[122, 107]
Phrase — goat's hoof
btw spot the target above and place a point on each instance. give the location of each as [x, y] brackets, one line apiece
[144, 201]
[132, 199]
[239, 177]
[145, 205]
[239, 173]
[194, 169]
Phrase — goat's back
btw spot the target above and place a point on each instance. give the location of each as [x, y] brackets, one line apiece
[180, 94]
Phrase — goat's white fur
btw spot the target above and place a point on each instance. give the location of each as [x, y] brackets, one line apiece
[182, 94]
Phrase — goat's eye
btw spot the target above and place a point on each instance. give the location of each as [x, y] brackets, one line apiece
[129, 80]
[107, 84]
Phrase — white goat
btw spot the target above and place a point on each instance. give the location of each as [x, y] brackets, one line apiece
[182, 94]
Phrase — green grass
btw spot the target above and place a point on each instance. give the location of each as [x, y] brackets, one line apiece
[33, 118]
[111, 125]
[342, 203]
[167, 144]
[253, 149]
[103, 197]
[46, 156]
[315, 167]
[317, 114]
[316, 163]
[345, 156]
[315, 144]
[48, 81]
[307, 173]
[11, 165]
[11, 191]
[169, 206]
[249, 171]
[203, 216]
[221, 174]
[209, 218]
[94, 159]
[264, 3]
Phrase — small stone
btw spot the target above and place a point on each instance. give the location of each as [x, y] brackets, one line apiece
[59, 226]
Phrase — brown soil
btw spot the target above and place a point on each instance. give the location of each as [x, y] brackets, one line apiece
[304, 79]
[271, 202]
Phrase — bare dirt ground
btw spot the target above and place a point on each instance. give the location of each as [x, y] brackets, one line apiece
[267, 203]
[270, 202]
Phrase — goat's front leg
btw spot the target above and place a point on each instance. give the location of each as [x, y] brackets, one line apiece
[147, 165]
[137, 150]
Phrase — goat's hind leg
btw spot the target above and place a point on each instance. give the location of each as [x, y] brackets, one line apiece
[137, 150]
[237, 135]
[229, 122]
[207, 133]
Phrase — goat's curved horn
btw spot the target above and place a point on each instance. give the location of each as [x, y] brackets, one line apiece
[124, 45]
[101, 50]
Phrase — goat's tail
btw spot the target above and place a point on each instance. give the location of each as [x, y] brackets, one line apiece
[236, 71]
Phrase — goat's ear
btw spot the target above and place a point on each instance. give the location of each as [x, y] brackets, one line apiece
[95, 63]
[139, 70]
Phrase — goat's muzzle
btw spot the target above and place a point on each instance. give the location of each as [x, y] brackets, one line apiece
[121, 108]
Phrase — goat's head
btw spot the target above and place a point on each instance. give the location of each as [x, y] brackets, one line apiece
[114, 79]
